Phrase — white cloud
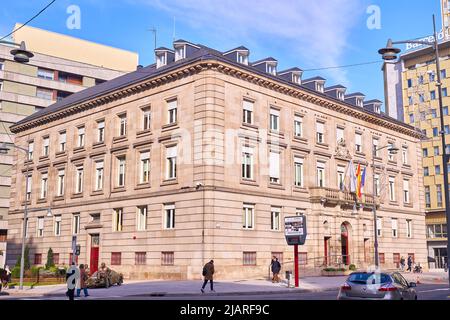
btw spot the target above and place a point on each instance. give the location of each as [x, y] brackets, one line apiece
[316, 31]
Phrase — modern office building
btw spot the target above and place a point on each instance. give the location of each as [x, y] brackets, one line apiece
[201, 156]
[61, 66]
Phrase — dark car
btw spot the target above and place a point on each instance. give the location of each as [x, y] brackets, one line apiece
[377, 286]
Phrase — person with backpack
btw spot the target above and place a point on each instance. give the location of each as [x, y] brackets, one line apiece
[208, 274]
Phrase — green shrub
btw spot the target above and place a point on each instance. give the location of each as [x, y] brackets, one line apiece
[50, 262]
[35, 270]
[15, 272]
[352, 267]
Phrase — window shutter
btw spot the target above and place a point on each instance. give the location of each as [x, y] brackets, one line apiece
[169, 207]
[101, 124]
[394, 224]
[274, 165]
[46, 142]
[99, 165]
[406, 185]
[40, 223]
[298, 160]
[81, 130]
[172, 152]
[31, 147]
[275, 112]
[320, 165]
[248, 150]
[172, 104]
[319, 127]
[29, 178]
[62, 138]
[248, 105]
[358, 139]
[145, 155]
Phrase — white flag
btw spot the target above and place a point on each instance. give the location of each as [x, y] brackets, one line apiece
[351, 173]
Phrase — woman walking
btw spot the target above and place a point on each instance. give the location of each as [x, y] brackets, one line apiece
[82, 283]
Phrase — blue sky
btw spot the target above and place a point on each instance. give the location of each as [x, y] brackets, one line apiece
[304, 33]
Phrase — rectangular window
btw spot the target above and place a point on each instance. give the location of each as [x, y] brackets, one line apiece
[391, 156]
[425, 152]
[118, 220]
[410, 100]
[298, 172]
[167, 258]
[410, 83]
[444, 92]
[298, 126]
[275, 217]
[141, 219]
[421, 97]
[431, 76]
[76, 223]
[30, 151]
[99, 172]
[339, 134]
[171, 162]
[180, 53]
[37, 258]
[437, 170]
[427, 197]
[248, 216]
[406, 191]
[405, 155]
[392, 188]
[45, 146]
[44, 185]
[443, 74]
[379, 227]
[101, 131]
[376, 151]
[358, 142]
[303, 258]
[172, 107]
[394, 228]
[249, 258]
[140, 258]
[435, 132]
[61, 182]
[79, 180]
[144, 175]
[40, 227]
[381, 258]
[56, 258]
[146, 118]
[169, 216]
[320, 132]
[377, 185]
[409, 228]
[247, 110]
[247, 163]
[121, 169]
[274, 162]
[439, 195]
[426, 171]
[57, 225]
[46, 74]
[81, 135]
[122, 125]
[320, 174]
[274, 120]
[62, 141]
[116, 258]
[433, 95]
[341, 177]
[436, 151]
[29, 182]
[445, 111]
[411, 118]
[45, 94]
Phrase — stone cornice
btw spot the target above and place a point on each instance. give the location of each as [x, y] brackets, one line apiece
[195, 67]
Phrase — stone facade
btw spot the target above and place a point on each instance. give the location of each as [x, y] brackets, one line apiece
[209, 195]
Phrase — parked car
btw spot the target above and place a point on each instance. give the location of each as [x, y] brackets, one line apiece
[377, 286]
[96, 281]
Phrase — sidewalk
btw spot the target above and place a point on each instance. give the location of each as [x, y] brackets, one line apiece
[426, 277]
[187, 288]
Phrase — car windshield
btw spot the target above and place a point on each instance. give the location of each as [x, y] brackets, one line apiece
[369, 278]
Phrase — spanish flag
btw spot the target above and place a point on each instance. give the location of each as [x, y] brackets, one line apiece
[358, 181]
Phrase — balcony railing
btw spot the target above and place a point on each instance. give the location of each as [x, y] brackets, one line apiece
[339, 197]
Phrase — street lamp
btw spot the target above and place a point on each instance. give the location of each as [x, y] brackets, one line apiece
[390, 53]
[392, 149]
[21, 54]
[4, 150]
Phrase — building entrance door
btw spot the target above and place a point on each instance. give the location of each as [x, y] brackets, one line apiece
[95, 246]
[327, 254]
[440, 254]
[344, 245]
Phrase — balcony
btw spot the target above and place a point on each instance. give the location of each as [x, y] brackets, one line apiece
[337, 197]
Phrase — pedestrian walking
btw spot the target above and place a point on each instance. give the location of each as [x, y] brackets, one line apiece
[82, 281]
[402, 263]
[208, 274]
[276, 268]
[409, 264]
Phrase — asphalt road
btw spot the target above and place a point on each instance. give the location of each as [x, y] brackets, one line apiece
[425, 292]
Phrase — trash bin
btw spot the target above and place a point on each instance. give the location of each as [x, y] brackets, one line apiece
[288, 275]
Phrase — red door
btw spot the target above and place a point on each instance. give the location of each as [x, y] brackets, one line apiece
[327, 259]
[95, 242]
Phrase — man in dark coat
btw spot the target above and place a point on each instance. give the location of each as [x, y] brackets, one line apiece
[276, 268]
[208, 274]
[409, 264]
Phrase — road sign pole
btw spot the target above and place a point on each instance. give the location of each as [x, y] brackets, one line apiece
[296, 264]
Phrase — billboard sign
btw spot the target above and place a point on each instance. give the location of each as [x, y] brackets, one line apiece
[295, 230]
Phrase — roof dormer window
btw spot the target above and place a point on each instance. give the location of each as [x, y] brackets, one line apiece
[296, 79]
[272, 69]
[377, 109]
[180, 53]
[319, 87]
[161, 60]
[340, 95]
[359, 102]
[242, 58]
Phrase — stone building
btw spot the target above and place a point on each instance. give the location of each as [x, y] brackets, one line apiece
[201, 156]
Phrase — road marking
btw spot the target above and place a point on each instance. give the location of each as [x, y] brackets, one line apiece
[446, 289]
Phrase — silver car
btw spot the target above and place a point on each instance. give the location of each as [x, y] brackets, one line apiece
[377, 286]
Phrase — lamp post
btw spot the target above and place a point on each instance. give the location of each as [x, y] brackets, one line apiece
[21, 54]
[392, 150]
[390, 53]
